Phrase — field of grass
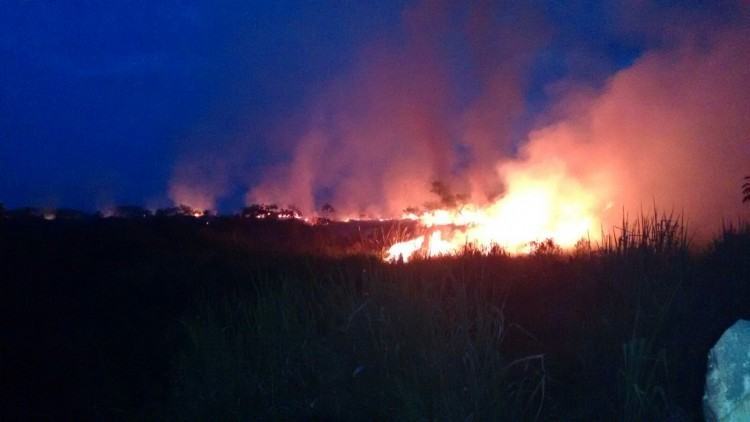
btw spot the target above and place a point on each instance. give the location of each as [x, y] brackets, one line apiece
[174, 319]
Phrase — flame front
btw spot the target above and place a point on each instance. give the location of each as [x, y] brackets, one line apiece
[537, 206]
[404, 250]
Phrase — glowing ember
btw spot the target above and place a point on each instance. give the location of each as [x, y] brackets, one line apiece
[534, 209]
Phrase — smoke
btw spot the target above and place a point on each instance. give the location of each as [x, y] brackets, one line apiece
[672, 129]
[198, 182]
[443, 99]
[383, 133]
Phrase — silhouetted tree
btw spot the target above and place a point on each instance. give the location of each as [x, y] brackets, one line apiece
[251, 212]
[327, 209]
[746, 190]
[182, 210]
[412, 210]
[70, 214]
[131, 211]
[168, 212]
[25, 213]
[296, 211]
[186, 210]
[326, 214]
[2, 210]
[290, 212]
[447, 199]
[262, 211]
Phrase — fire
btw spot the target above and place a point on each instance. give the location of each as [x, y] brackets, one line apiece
[404, 250]
[537, 206]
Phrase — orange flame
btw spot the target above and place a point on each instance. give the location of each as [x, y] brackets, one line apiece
[536, 207]
[404, 250]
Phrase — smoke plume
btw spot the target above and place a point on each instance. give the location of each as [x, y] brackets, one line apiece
[443, 100]
[673, 129]
[396, 123]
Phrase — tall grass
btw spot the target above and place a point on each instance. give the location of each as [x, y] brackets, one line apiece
[657, 234]
[388, 341]
[429, 340]
[213, 327]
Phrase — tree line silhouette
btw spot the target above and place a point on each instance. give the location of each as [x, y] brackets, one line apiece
[254, 211]
[135, 212]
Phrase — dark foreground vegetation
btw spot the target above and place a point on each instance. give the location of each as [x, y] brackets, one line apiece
[200, 319]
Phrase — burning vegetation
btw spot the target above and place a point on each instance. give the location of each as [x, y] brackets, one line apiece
[669, 128]
[532, 210]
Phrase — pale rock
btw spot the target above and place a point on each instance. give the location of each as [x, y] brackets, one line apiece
[727, 394]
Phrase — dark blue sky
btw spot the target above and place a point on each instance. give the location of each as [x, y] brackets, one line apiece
[100, 100]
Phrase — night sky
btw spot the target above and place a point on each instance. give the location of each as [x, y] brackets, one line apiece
[101, 101]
